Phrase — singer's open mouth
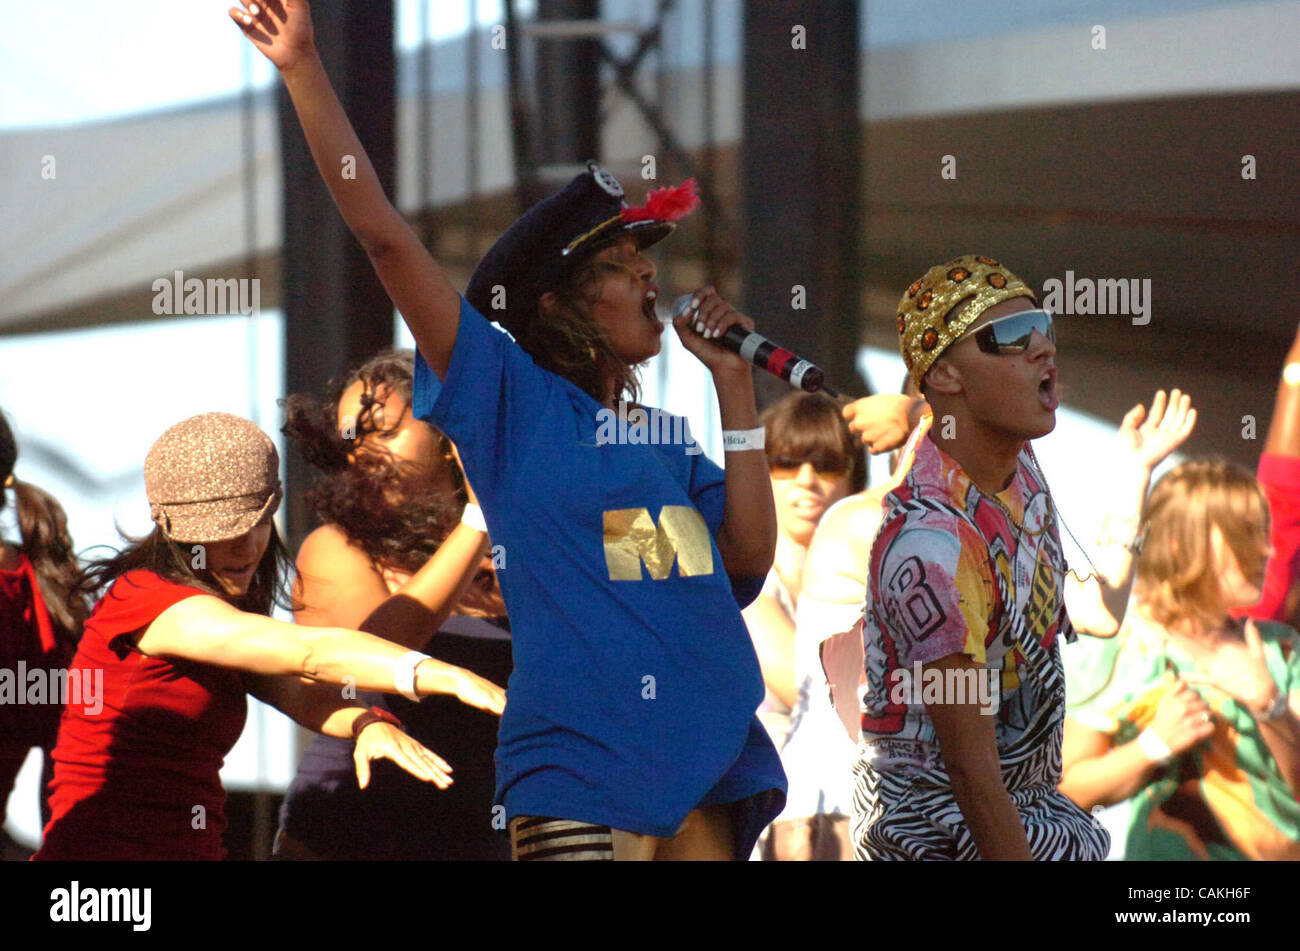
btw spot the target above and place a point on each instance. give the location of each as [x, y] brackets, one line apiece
[648, 307]
[1047, 390]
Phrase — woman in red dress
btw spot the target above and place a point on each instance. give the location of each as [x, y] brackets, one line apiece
[182, 634]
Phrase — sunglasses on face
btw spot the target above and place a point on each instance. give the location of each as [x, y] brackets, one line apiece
[1011, 334]
[826, 465]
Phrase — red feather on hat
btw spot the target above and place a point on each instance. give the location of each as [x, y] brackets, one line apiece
[666, 204]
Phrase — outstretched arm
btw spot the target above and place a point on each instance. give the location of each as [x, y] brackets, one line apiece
[208, 630]
[322, 708]
[282, 31]
[884, 421]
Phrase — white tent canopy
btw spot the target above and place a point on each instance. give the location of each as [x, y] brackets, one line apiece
[95, 213]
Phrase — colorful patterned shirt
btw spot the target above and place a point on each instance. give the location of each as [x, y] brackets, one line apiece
[934, 593]
[955, 572]
[1224, 799]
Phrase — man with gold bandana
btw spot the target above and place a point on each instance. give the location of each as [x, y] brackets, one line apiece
[960, 750]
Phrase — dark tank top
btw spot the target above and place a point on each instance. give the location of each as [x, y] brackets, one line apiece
[398, 817]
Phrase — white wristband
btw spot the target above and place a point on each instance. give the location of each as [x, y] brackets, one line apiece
[739, 440]
[473, 517]
[1156, 749]
[1276, 710]
[404, 674]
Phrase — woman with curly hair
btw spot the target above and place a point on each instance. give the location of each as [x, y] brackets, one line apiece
[630, 731]
[393, 541]
[40, 621]
[1188, 712]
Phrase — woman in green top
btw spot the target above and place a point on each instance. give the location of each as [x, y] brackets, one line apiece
[1185, 711]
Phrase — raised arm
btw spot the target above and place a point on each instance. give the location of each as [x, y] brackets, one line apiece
[1284, 428]
[884, 421]
[1279, 477]
[340, 587]
[208, 630]
[282, 31]
[1096, 605]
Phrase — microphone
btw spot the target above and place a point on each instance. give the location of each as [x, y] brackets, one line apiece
[763, 353]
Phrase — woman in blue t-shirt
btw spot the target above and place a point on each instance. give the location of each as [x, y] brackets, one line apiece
[630, 729]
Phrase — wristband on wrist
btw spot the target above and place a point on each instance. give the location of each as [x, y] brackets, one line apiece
[1276, 710]
[473, 517]
[1131, 534]
[404, 674]
[741, 440]
[373, 715]
[1156, 749]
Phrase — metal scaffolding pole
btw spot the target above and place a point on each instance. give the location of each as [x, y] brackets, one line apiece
[801, 178]
[336, 313]
[558, 127]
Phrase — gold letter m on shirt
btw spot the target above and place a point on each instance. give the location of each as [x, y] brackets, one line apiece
[632, 537]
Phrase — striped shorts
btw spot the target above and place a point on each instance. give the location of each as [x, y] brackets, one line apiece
[539, 839]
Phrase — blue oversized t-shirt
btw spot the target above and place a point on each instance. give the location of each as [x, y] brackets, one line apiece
[635, 684]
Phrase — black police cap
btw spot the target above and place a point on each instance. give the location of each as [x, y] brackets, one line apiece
[536, 252]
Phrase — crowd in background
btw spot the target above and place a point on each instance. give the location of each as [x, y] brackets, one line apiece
[1220, 545]
[647, 717]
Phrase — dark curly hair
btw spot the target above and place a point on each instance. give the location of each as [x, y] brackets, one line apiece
[569, 343]
[358, 494]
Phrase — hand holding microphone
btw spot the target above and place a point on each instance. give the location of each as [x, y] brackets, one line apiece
[702, 318]
[714, 320]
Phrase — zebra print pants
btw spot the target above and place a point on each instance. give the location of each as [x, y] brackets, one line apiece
[915, 817]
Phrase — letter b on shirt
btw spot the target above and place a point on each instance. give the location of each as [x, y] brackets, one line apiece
[632, 538]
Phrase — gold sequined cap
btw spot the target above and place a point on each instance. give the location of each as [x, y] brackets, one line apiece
[924, 330]
[211, 478]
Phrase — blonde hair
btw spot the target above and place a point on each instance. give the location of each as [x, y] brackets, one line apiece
[1176, 576]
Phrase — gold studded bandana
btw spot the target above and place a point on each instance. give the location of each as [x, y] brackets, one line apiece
[924, 330]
